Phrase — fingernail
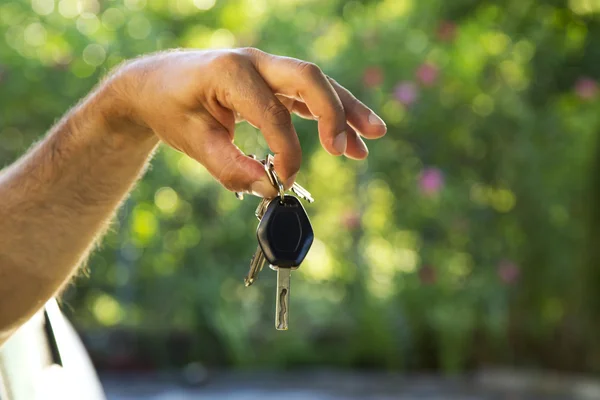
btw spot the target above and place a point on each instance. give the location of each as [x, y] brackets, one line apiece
[262, 188]
[375, 120]
[363, 146]
[339, 143]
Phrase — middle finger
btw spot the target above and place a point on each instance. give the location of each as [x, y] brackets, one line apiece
[306, 82]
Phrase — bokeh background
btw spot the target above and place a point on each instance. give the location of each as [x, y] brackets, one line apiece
[468, 238]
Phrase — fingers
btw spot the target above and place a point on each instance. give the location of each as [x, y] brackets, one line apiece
[318, 97]
[252, 98]
[209, 143]
[306, 82]
[356, 149]
[296, 107]
[359, 116]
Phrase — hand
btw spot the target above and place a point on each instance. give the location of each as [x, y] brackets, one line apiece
[192, 99]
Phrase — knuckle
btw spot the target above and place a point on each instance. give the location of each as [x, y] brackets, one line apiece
[338, 108]
[310, 70]
[340, 113]
[249, 51]
[229, 60]
[276, 114]
[336, 111]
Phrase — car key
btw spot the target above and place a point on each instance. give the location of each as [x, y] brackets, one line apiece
[302, 193]
[256, 265]
[269, 167]
[282, 302]
[285, 235]
[258, 260]
[296, 188]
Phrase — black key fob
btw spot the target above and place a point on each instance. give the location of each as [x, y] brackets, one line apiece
[285, 233]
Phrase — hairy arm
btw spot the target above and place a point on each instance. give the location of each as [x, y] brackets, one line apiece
[56, 201]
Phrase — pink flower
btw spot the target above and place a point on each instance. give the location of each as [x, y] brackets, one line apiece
[431, 181]
[406, 93]
[427, 74]
[351, 220]
[372, 76]
[427, 275]
[508, 272]
[446, 31]
[586, 88]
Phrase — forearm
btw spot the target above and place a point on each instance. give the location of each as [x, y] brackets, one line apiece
[57, 199]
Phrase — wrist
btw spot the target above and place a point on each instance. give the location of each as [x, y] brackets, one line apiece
[110, 113]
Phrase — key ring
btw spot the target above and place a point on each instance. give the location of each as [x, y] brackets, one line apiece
[273, 177]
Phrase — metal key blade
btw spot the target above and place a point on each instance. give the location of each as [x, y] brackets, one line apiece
[262, 207]
[256, 265]
[302, 193]
[282, 306]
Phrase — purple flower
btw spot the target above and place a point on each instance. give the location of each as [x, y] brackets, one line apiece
[406, 92]
[508, 272]
[431, 181]
[427, 74]
[586, 88]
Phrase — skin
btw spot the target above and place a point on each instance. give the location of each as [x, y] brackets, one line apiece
[58, 199]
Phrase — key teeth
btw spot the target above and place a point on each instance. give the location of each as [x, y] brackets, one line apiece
[302, 193]
[282, 302]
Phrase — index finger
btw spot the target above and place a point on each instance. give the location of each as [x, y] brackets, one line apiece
[252, 98]
[306, 82]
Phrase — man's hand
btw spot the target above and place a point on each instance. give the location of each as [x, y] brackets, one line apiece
[192, 99]
[56, 201]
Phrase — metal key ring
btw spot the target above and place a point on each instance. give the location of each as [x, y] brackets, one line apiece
[273, 177]
[279, 185]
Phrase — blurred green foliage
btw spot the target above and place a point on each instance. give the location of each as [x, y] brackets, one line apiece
[460, 242]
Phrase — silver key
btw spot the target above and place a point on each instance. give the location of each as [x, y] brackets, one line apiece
[302, 193]
[258, 260]
[296, 188]
[262, 207]
[256, 265]
[282, 304]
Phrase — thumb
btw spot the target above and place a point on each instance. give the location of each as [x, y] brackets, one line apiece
[212, 146]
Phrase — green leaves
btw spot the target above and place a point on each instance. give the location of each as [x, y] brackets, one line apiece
[465, 221]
